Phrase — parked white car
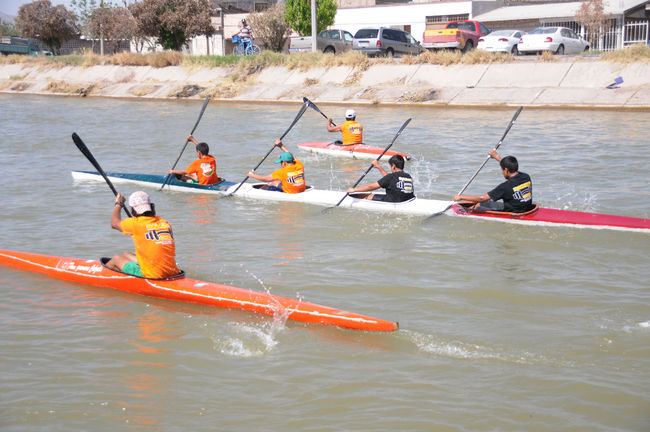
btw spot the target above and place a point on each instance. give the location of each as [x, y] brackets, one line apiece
[501, 40]
[559, 40]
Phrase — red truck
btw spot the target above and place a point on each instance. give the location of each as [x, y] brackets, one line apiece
[462, 35]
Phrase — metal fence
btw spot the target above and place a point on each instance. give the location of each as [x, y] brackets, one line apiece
[616, 35]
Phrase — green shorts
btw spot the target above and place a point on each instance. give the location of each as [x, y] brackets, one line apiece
[132, 268]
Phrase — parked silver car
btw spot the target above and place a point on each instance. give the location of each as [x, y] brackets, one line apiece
[385, 41]
[559, 40]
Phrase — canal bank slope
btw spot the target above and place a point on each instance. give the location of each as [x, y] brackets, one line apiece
[575, 83]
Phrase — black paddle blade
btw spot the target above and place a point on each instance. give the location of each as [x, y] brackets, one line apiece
[86, 152]
[315, 108]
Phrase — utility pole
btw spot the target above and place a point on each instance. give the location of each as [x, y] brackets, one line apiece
[314, 26]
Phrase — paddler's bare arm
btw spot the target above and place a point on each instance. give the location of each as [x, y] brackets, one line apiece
[116, 217]
[331, 128]
[472, 198]
[278, 143]
[191, 138]
[494, 155]
[366, 188]
[267, 178]
[381, 170]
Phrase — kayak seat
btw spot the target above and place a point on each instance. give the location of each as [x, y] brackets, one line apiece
[509, 214]
[339, 143]
[180, 275]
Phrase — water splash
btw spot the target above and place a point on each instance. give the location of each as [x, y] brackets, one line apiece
[247, 340]
[280, 314]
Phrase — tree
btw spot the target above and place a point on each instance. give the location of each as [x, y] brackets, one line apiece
[591, 14]
[298, 15]
[200, 23]
[271, 27]
[173, 22]
[51, 24]
[83, 9]
[8, 29]
[112, 24]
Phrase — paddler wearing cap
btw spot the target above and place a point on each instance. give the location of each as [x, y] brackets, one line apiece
[351, 130]
[290, 178]
[155, 250]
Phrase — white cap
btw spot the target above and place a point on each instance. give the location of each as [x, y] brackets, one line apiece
[350, 114]
[140, 202]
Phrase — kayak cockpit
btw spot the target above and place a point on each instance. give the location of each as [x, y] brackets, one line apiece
[104, 260]
[464, 207]
[264, 186]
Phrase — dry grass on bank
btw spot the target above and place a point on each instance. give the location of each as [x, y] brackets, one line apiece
[247, 65]
[638, 53]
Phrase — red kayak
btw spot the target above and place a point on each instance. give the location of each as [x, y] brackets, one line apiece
[543, 216]
[356, 151]
[181, 288]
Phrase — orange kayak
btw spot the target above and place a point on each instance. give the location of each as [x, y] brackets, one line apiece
[181, 288]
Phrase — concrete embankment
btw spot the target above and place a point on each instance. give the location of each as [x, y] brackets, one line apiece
[570, 82]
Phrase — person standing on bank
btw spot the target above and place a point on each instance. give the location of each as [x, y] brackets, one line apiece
[155, 250]
[245, 33]
[351, 130]
[203, 170]
[290, 178]
[398, 184]
[516, 192]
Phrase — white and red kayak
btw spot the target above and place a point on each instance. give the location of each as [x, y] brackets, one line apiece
[355, 151]
[547, 216]
[181, 288]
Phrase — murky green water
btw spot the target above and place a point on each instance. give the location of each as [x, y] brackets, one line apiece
[503, 327]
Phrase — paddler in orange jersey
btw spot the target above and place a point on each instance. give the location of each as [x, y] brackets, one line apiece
[351, 130]
[203, 170]
[155, 250]
[290, 178]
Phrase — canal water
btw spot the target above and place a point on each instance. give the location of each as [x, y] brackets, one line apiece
[502, 326]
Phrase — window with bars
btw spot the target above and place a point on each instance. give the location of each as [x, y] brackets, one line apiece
[446, 18]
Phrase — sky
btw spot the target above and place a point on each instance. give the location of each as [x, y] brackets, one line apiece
[10, 7]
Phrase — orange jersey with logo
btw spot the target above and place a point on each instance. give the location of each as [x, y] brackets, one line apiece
[154, 245]
[292, 177]
[352, 132]
[205, 169]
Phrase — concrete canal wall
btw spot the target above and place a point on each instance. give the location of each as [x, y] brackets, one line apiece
[579, 83]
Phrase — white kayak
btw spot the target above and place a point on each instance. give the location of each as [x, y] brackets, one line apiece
[325, 198]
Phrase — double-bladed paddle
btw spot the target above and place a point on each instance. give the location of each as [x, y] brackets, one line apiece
[82, 147]
[512, 122]
[205, 104]
[313, 105]
[303, 108]
[399, 132]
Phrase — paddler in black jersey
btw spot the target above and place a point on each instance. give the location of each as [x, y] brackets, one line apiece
[398, 184]
[516, 192]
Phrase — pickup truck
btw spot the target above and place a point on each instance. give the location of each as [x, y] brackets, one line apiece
[327, 41]
[18, 45]
[462, 35]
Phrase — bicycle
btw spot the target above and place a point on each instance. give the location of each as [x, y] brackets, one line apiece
[245, 47]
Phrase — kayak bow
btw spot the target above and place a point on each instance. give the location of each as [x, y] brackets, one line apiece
[547, 216]
[92, 272]
[355, 151]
